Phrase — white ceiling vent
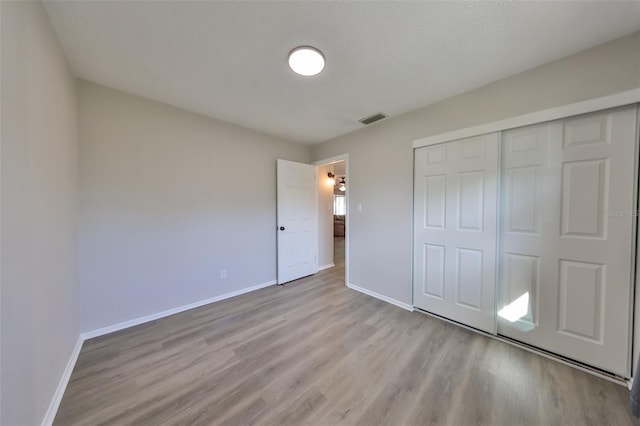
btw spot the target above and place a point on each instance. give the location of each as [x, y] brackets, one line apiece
[372, 118]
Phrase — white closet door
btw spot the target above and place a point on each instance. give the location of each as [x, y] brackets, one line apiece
[455, 230]
[566, 237]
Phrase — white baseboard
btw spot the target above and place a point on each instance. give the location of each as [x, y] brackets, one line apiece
[327, 266]
[382, 297]
[66, 375]
[141, 320]
[62, 384]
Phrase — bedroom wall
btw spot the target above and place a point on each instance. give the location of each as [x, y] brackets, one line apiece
[168, 199]
[381, 155]
[39, 293]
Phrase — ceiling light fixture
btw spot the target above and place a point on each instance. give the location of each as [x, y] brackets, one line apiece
[306, 60]
[342, 186]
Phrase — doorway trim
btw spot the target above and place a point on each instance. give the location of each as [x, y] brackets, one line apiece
[325, 162]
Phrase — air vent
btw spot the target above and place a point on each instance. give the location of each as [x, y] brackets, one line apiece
[372, 118]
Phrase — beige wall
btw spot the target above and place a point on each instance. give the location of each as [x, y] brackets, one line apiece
[381, 155]
[39, 185]
[168, 199]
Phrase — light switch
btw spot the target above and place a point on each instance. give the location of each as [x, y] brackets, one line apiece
[359, 207]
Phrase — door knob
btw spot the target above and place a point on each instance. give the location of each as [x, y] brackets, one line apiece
[282, 228]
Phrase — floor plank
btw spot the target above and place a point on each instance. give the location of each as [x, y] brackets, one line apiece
[315, 352]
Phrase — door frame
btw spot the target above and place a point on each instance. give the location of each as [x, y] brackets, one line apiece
[325, 162]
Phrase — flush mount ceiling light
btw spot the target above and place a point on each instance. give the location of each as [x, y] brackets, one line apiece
[306, 60]
[342, 186]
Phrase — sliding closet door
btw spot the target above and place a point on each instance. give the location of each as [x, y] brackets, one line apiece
[455, 230]
[567, 231]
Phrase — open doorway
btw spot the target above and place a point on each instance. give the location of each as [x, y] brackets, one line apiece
[333, 213]
[339, 211]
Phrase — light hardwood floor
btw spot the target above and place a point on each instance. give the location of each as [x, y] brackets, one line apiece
[317, 353]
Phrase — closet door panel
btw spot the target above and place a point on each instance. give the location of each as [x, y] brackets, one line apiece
[578, 302]
[521, 278]
[597, 236]
[530, 205]
[455, 230]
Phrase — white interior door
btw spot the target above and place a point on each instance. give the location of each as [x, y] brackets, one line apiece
[567, 236]
[455, 230]
[297, 220]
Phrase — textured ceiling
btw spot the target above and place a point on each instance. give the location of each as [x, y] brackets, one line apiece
[228, 59]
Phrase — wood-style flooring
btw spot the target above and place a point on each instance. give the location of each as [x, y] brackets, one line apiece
[314, 352]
